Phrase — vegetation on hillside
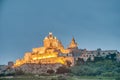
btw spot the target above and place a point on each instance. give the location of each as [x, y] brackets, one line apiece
[99, 67]
[103, 67]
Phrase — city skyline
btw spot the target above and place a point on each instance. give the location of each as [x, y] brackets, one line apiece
[24, 24]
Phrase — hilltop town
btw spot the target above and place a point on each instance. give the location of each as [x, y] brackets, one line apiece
[53, 52]
[53, 55]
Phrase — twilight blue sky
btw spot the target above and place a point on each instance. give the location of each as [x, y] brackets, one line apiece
[25, 23]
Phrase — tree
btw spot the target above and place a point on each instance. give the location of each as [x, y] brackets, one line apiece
[50, 71]
[62, 70]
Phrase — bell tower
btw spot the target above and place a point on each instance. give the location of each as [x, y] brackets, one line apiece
[73, 44]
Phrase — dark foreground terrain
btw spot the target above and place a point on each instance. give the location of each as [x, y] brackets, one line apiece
[58, 77]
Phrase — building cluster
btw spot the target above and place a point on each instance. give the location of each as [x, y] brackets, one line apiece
[7, 69]
[52, 55]
[53, 52]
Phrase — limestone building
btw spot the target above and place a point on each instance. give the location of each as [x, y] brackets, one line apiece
[52, 52]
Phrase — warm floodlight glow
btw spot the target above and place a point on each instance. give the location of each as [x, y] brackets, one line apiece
[52, 52]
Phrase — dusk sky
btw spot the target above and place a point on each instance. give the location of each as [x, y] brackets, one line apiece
[24, 24]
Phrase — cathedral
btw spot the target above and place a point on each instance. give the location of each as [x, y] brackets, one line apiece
[52, 52]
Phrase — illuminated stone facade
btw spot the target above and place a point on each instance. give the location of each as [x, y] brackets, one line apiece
[52, 52]
[73, 44]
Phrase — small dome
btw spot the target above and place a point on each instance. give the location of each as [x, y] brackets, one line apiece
[46, 37]
[50, 33]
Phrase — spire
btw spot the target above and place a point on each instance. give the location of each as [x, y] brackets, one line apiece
[73, 40]
[73, 44]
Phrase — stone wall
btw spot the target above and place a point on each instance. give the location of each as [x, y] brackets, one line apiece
[37, 68]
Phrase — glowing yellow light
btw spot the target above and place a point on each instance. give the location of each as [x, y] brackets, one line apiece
[47, 54]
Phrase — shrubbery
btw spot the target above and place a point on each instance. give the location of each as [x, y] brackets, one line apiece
[105, 67]
[50, 71]
[62, 70]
